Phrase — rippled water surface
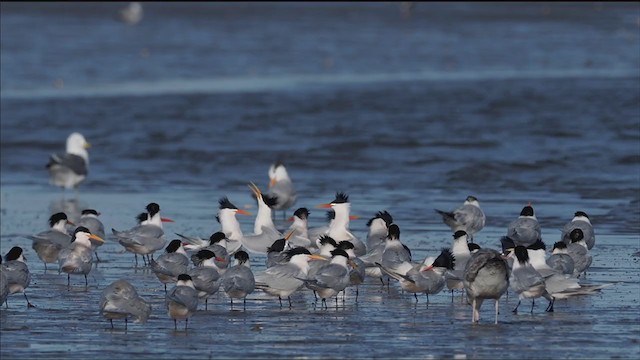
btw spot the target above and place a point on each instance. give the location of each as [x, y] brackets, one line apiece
[513, 103]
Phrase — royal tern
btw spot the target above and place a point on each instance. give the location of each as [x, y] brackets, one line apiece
[526, 281]
[230, 225]
[580, 221]
[316, 232]
[525, 230]
[376, 240]
[468, 217]
[339, 227]
[276, 253]
[77, 258]
[357, 272]
[579, 252]
[68, 170]
[89, 219]
[48, 244]
[396, 257]
[300, 235]
[182, 300]
[560, 259]
[16, 271]
[281, 187]
[221, 260]
[4, 284]
[326, 245]
[238, 281]
[486, 276]
[282, 280]
[145, 238]
[171, 263]
[120, 300]
[265, 232]
[460, 250]
[206, 276]
[330, 278]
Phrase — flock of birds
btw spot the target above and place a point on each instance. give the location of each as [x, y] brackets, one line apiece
[326, 259]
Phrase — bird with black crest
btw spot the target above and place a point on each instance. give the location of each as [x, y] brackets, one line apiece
[238, 281]
[173, 262]
[339, 227]
[182, 301]
[77, 258]
[206, 275]
[16, 272]
[48, 244]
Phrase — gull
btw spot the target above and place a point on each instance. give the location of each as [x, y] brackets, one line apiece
[182, 300]
[486, 276]
[580, 221]
[77, 258]
[68, 170]
[120, 300]
[16, 272]
[48, 244]
[172, 263]
[281, 187]
[468, 217]
[238, 281]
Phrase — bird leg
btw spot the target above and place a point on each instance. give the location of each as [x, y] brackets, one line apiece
[206, 301]
[186, 322]
[515, 311]
[280, 299]
[175, 324]
[125, 323]
[86, 282]
[231, 304]
[111, 321]
[136, 255]
[497, 311]
[289, 297]
[550, 306]
[533, 303]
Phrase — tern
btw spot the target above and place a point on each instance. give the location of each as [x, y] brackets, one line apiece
[300, 235]
[357, 267]
[525, 230]
[89, 219]
[221, 261]
[486, 276]
[4, 284]
[579, 252]
[526, 281]
[120, 300]
[580, 221]
[560, 260]
[206, 276]
[77, 258]
[460, 249]
[182, 300]
[68, 170]
[468, 217]
[48, 244]
[230, 225]
[238, 281]
[339, 227]
[331, 278]
[15, 270]
[172, 263]
[376, 240]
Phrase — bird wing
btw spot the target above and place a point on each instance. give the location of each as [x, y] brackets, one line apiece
[185, 296]
[73, 162]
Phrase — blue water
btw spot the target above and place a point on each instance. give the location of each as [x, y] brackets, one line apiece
[513, 103]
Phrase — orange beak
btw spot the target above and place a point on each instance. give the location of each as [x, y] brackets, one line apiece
[255, 189]
[166, 220]
[288, 236]
[324, 206]
[272, 182]
[243, 212]
[96, 237]
[427, 268]
[290, 218]
[354, 217]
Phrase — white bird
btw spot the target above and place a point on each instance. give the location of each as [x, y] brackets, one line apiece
[48, 244]
[580, 221]
[120, 300]
[560, 260]
[339, 227]
[486, 276]
[89, 219]
[222, 258]
[282, 280]
[264, 231]
[172, 263]
[230, 225]
[468, 217]
[579, 252]
[77, 258]
[16, 271]
[525, 230]
[206, 276]
[182, 300]
[281, 186]
[299, 228]
[331, 278]
[68, 170]
[460, 249]
[238, 281]
[132, 14]
[526, 281]
[145, 238]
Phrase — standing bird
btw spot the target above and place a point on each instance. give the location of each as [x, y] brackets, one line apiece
[376, 240]
[170, 264]
[77, 258]
[230, 225]
[560, 260]
[339, 227]
[486, 276]
[526, 281]
[89, 219]
[579, 252]
[145, 238]
[580, 221]
[264, 231]
[299, 228]
[357, 268]
[331, 278]
[462, 254]
[525, 230]
[120, 300]
[238, 281]
[206, 276]
[15, 269]
[396, 257]
[68, 170]
[48, 244]
[281, 187]
[182, 300]
[4, 284]
[221, 260]
[468, 217]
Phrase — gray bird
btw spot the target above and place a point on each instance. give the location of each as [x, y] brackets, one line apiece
[560, 260]
[331, 278]
[357, 268]
[16, 272]
[238, 281]
[89, 219]
[120, 300]
[486, 276]
[462, 254]
[206, 276]
[182, 300]
[526, 281]
[214, 244]
[525, 230]
[69, 169]
[580, 221]
[77, 258]
[468, 217]
[172, 263]
[281, 187]
[48, 244]
[579, 252]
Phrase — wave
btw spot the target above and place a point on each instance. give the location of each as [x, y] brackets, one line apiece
[296, 81]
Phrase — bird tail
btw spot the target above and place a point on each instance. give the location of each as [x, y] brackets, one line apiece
[393, 274]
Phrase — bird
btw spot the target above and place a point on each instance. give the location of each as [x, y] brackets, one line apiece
[376, 239]
[145, 238]
[580, 221]
[316, 232]
[339, 227]
[264, 231]
[331, 278]
[579, 252]
[172, 263]
[460, 250]
[468, 217]
[16, 272]
[238, 281]
[221, 260]
[326, 245]
[182, 300]
[89, 219]
[396, 257]
[357, 268]
[230, 225]
[281, 187]
[486, 276]
[526, 281]
[560, 260]
[132, 14]
[4, 285]
[525, 230]
[77, 258]
[282, 280]
[300, 235]
[276, 253]
[120, 300]
[48, 244]
[68, 170]
[206, 275]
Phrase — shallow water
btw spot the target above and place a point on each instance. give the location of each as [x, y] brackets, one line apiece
[511, 103]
